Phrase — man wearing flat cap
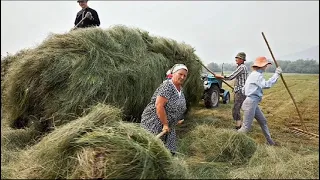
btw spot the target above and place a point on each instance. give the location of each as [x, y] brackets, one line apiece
[91, 20]
[240, 75]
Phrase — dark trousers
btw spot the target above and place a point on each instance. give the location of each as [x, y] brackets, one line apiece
[238, 100]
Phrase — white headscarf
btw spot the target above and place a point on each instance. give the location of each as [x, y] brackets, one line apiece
[168, 72]
[177, 67]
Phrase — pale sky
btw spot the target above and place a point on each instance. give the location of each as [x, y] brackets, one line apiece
[217, 29]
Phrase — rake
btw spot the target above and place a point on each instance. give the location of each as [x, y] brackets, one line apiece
[296, 130]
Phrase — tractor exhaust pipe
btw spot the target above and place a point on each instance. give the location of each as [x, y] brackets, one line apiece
[222, 74]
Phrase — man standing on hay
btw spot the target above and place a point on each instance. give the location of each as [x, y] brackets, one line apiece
[167, 108]
[240, 75]
[92, 20]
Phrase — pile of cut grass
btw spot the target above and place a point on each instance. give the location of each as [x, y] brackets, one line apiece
[218, 145]
[18, 138]
[270, 162]
[6, 62]
[98, 145]
[68, 73]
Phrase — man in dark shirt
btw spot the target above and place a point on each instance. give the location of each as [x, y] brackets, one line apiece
[87, 22]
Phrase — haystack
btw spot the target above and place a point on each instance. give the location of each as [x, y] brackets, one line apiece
[98, 145]
[279, 163]
[7, 60]
[218, 145]
[68, 73]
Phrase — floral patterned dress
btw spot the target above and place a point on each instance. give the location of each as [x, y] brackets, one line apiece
[175, 109]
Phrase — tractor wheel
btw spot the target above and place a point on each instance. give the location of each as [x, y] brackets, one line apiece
[226, 99]
[211, 97]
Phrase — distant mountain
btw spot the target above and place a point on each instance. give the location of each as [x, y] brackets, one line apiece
[308, 54]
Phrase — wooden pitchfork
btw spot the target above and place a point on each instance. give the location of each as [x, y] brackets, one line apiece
[161, 134]
[285, 84]
[213, 74]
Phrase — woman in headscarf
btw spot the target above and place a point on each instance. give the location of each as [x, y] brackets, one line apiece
[167, 107]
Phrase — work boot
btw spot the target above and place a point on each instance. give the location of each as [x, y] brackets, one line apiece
[238, 124]
[273, 144]
[276, 144]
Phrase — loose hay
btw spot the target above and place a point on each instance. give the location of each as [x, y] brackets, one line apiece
[18, 138]
[207, 170]
[124, 152]
[12, 142]
[279, 163]
[98, 145]
[6, 62]
[218, 145]
[69, 73]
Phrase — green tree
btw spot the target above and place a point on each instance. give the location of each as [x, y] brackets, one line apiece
[214, 67]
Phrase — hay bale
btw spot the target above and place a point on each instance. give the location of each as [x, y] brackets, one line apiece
[98, 145]
[219, 145]
[71, 72]
[279, 163]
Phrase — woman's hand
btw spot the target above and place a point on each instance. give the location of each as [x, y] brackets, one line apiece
[218, 76]
[166, 128]
[180, 121]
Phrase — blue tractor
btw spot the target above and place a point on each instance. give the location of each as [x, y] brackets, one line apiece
[213, 91]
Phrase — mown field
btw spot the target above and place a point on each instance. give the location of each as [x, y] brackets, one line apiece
[281, 114]
[206, 130]
[279, 110]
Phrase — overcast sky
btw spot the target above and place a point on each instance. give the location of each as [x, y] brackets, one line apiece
[217, 29]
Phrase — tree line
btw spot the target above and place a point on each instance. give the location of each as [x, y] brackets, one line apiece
[298, 66]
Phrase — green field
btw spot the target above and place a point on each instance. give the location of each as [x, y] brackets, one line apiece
[296, 157]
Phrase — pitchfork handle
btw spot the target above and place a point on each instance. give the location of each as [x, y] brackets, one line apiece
[285, 84]
[161, 134]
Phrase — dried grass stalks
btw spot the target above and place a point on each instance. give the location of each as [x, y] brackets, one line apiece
[279, 163]
[98, 145]
[219, 145]
[68, 73]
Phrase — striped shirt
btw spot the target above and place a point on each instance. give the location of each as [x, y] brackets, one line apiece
[240, 75]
